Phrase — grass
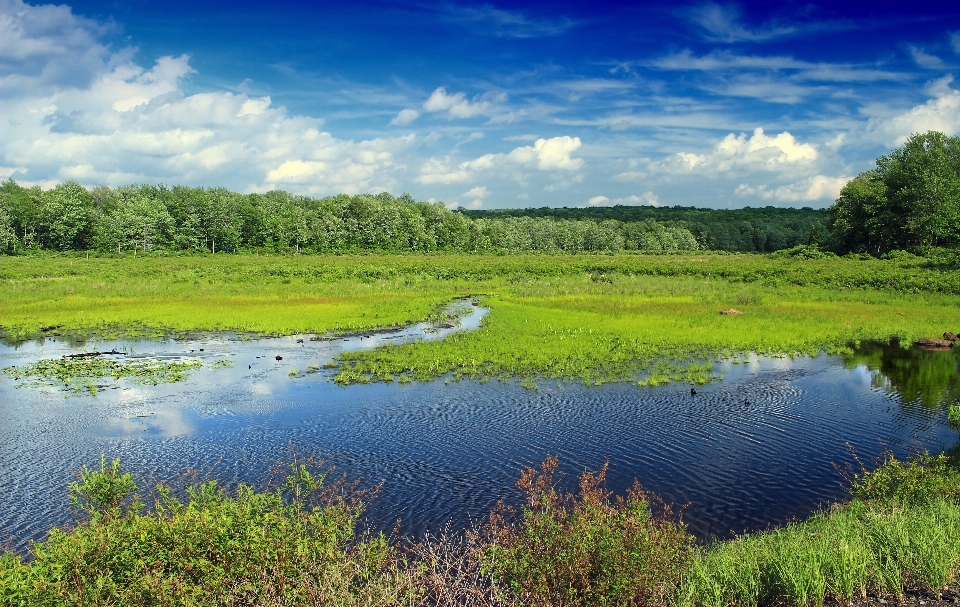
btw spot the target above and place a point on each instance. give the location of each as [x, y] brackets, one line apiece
[901, 530]
[590, 318]
[296, 543]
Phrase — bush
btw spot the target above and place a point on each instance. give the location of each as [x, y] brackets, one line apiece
[583, 548]
[295, 544]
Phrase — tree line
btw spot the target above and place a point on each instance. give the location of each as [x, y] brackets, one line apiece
[68, 217]
[748, 230]
[910, 201]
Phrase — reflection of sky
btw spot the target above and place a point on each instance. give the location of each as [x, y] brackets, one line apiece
[753, 449]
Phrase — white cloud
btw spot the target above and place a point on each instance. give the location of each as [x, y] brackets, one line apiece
[405, 117]
[759, 152]
[940, 113]
[477, 192]
[645, 199]
[504, 23]
[955, 42]
[924, 59]
[722, 24]
[545, 155]
[818, 187]
[72, 109]
[254, 107]
[457, 105]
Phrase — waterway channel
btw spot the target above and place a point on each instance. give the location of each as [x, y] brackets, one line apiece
[754, 449]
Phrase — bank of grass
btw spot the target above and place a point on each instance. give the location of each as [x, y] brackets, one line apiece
[297, 544]
[593, 318]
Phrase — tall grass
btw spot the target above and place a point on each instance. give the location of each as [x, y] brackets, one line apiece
[591, 318]
[901, 530]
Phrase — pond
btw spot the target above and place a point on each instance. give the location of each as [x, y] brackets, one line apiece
[754, 449]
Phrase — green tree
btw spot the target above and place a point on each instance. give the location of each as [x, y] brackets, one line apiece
[911, 201]
[66, 213]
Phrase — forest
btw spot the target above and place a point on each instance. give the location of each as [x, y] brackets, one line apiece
[747, 230]
[141, 218]
[909, 202]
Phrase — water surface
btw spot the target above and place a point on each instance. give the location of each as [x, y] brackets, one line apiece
[752, 450]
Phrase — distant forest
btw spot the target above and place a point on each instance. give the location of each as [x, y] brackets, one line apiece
[749, 230]
[142, 218]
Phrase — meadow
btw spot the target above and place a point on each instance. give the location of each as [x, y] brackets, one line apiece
[599, 318]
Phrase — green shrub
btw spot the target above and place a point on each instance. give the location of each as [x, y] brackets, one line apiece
[583, 548]
[292, 545]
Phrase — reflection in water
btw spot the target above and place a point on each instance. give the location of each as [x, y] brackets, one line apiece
[752, 450]
[930, 378]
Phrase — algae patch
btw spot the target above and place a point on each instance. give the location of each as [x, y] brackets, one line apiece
[87, 373]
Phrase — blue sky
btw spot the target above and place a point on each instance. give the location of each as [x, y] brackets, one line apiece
[481, 105]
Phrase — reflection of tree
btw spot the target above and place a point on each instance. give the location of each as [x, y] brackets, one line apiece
[928, 377]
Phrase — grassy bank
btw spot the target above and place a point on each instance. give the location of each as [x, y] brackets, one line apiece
[296, 544]
[592, 318]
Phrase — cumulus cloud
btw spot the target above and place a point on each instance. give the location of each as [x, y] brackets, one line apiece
[477, 193]
[758, 152]
[72, 109]
[816, 188]
[939, 113]
[545, 155]
[645, 199]
[405, 117]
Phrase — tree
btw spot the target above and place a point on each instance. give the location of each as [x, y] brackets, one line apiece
[66, 211]
[911, 201]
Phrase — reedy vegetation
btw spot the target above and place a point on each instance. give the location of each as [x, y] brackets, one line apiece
[297, 544]
[592, 318]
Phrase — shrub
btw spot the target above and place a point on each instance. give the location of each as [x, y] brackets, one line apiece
[584, 548]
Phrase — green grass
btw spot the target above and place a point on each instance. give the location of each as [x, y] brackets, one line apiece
[591, 318]
[901, 531]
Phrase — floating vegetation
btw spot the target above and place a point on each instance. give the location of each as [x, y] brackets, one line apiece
[80, 373]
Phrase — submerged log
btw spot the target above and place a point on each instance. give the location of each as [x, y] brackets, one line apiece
[930, 343]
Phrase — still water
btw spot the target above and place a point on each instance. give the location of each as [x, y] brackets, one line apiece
[754, 449]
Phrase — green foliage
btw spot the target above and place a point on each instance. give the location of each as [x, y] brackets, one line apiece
[106, 492]
[295, 545]
[910, 201]
[901, 531]
[145, 218]
[585, 549]
[738, 230]
[920, 479]
[591, 318]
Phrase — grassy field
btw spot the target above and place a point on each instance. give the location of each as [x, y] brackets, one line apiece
[592, 318]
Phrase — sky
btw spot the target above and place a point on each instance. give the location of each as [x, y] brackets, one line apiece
[476, 104]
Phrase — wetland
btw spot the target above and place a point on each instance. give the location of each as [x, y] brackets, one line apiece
[440, 377]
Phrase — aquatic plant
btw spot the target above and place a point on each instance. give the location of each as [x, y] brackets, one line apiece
[81, 372]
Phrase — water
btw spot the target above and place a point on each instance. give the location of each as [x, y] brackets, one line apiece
[753, 450]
